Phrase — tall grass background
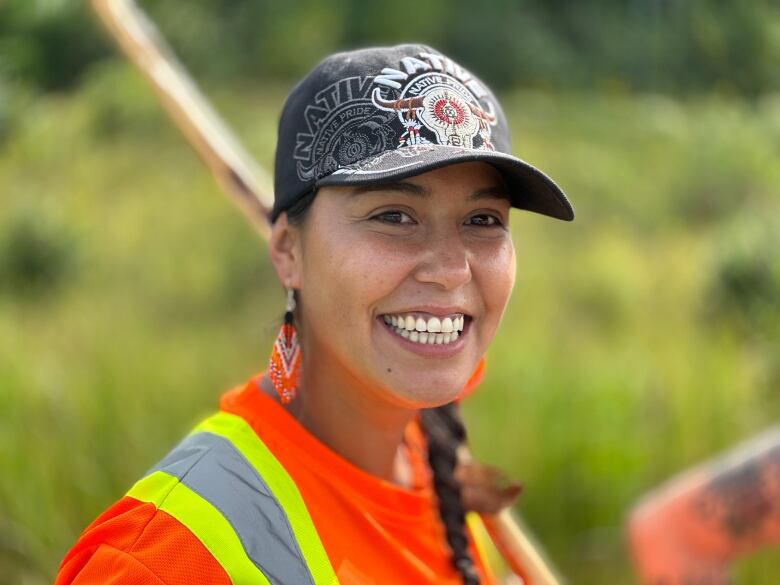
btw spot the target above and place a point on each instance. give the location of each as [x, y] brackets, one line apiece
[641, 339]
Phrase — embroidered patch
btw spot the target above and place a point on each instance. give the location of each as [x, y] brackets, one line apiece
[444, 106]
[343, 127]
[428, 100]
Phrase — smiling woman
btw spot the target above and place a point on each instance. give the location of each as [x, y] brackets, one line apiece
[434, 248]
[339, 464]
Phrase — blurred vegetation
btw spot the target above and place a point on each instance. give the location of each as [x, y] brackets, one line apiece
[655, 45]
[640, 339]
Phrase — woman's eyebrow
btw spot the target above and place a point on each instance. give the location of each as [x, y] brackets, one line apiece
[497, 192]
[494, 192]
[409, 188]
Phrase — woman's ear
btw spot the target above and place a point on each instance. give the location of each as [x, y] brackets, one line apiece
[285, 249]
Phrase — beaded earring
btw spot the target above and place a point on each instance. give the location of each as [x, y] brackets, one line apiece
[285, 365]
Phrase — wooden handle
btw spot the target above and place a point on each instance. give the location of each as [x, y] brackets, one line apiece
[517, 549]
[235, 170]
[248, 186]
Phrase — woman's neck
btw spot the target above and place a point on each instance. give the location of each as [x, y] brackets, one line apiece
[354, 421]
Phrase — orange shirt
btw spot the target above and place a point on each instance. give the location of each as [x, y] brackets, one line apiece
[374, 532]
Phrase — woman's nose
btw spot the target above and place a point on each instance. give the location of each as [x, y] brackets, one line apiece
[445, 261]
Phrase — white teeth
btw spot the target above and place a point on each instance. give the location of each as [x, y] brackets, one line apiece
[432, 325]
[433, 331]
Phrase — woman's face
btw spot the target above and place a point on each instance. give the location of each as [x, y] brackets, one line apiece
[433, 253]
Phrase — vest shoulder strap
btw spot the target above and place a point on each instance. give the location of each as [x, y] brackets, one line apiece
[229, 490]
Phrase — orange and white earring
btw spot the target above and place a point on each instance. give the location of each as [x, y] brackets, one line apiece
[285, 366]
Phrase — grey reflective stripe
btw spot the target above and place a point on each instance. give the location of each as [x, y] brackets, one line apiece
[214, 469]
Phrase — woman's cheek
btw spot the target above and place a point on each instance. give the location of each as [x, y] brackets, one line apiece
[380, 259]
[368, 273]
[497, 271]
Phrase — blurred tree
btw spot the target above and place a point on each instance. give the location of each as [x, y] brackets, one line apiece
[47, 43]
[647, 45]
[745, 279]
[37, 254]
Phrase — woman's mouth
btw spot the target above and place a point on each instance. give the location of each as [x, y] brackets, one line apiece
[427, 329]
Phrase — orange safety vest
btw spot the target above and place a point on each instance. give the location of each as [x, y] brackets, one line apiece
[251, 497]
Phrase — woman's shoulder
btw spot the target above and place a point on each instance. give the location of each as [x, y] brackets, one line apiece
[152, 534]
[166, 528]
[136, 542]
[198, 507]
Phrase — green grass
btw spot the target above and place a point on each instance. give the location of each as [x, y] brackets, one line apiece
[622, 358]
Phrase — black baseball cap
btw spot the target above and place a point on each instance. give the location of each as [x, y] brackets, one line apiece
[382, 114]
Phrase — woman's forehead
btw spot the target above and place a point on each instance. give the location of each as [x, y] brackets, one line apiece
[474, 179]
[492, 190]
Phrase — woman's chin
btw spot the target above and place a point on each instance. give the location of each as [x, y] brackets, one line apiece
[420, 390]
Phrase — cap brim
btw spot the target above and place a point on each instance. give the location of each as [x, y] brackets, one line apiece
[529, 188]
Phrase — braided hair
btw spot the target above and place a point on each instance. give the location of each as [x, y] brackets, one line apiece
[445, 432]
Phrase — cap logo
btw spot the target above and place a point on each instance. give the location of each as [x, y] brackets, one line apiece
[342, 127]
[439, 96]
[428, 100]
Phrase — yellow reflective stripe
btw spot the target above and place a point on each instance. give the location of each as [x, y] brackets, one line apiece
[236, 430]
[168, 494]
[153, 488]
[482, 543]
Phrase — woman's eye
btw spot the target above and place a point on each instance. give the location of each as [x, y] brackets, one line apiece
[484, 220]
[393, 217]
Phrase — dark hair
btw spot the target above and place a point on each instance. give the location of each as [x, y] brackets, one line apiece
[297, 212]
[445, 433]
